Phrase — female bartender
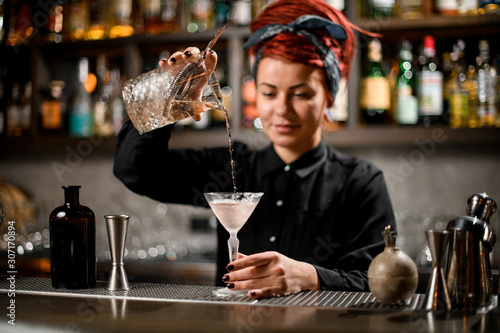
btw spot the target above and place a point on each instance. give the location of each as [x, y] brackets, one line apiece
[319, 223]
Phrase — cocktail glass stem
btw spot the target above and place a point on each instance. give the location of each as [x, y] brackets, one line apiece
[233, 243]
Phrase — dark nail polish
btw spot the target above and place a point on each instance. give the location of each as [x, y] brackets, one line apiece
[163, 60]
[187, 53]
[253, 293]
[230, 267]
[230, 285]
[211, 51]
[225, 278]
[173, 60]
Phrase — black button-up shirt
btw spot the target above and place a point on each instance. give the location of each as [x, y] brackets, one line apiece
[325, 208]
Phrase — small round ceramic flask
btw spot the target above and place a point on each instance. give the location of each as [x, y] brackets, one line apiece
[392, 275]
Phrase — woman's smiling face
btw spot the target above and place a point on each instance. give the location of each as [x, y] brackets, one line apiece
[291, 100]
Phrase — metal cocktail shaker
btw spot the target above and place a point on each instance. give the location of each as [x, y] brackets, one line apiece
[117, 226]
[468, 268]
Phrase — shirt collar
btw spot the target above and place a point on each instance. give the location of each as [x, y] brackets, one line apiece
[303, 166]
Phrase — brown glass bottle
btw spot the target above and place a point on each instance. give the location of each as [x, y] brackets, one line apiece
[72, 243]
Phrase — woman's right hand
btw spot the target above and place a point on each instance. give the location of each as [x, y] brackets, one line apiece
[179, 60]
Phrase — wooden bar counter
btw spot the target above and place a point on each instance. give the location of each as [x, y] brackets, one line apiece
[179, 308]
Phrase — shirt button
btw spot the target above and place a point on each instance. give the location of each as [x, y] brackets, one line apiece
[279, 203]
[287, 167]
[272, 239]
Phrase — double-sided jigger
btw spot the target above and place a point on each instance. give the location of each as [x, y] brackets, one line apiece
[117, 226]
[437, 296]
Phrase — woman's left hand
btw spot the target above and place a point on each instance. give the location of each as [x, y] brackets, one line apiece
[270, 274]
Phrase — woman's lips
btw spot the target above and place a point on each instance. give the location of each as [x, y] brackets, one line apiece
[285, 128]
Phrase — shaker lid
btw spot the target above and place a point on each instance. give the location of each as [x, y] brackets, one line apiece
[481, 206]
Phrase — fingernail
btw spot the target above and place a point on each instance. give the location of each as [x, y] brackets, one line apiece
[230, 285]
[187, 53]
[172, 60]
[230, 267]
[163, 60]
[211, 51]
[225, 278]
[253, 293]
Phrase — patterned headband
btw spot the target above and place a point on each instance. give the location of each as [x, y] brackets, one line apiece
[304, 25]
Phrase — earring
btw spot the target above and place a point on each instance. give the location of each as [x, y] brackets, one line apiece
[329, 122]
[329, 115]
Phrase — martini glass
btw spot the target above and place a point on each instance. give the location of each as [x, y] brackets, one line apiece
[232, 209]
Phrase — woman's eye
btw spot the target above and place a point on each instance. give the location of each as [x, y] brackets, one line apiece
[302, 95]
[268, 94]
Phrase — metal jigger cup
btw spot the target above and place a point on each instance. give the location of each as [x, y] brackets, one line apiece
[117, 226]
[437, 296]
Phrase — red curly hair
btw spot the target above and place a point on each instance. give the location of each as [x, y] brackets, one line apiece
[297, 48]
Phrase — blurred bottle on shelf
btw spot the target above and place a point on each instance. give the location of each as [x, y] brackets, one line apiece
[429, 85]
[2, 22]
[381, 8]
[456, 88]
[217, 116]
[248, 96]
[447, 7]
[471, 86]
[120, 18]
[199, 15]
[116, 102]
[20, 23]
[258, 6]
[468, 7]
[337, 4]
[98, 20]
[489, 7]
[25, 109]
[2, 104]
[337, 114]
[25, 21]
[137, 18]
[55, 21]
[486, 84]
[242, 12]
[53, 109]
[409, 9]
[80, 114]
[169, 15]
[103, 118]
[447, 66]
[222, 12]
[13, 127]
[497, 102]
[375, 95]
[428, 7]
[2, 123]
[151, 15]
[76, 20]
[19, 110]
[406, 98]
